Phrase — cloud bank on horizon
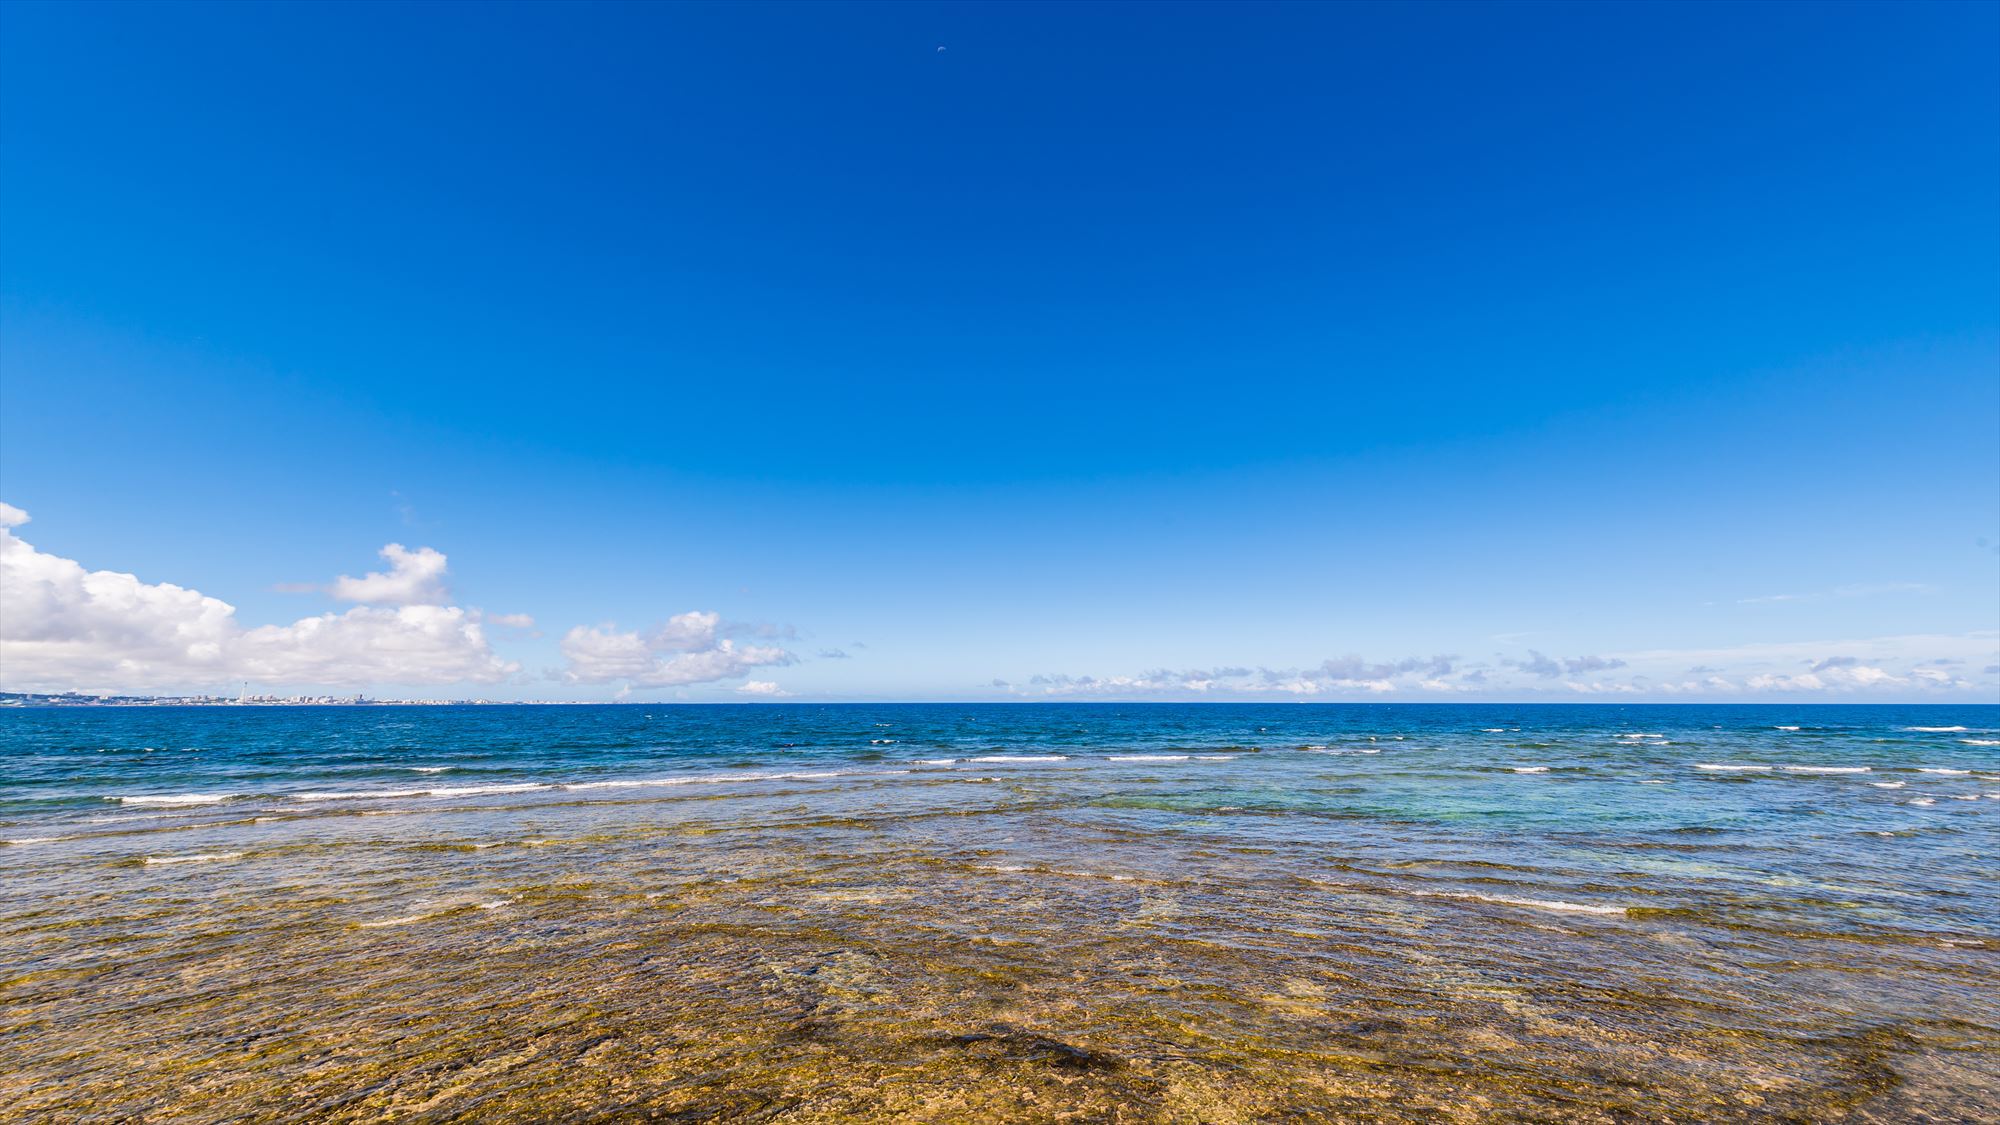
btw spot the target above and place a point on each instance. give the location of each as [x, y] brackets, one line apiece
[1907, 666]
[64, 627]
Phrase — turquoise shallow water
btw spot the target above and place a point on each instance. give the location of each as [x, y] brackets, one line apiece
[1165, 911]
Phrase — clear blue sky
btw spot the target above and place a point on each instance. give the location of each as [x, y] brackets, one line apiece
[1103, 341]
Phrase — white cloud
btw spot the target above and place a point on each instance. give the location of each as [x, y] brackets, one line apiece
[686, 650]
[1902, 667]
[1550, 668]
[762, 687]
[66, 628]
[1344, 676]
[1712, 685]
[686, 632]
[1835, 678]
[1603, 687]
[428, 644]
[413, 578]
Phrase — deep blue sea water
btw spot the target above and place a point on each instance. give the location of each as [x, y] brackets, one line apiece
[1759, 892]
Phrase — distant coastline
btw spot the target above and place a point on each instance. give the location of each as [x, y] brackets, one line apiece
[81, 699]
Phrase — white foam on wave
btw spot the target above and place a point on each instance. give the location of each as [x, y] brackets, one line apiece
[427, 769]
[359, 794]
[1965, 796]
[1020, 758]
[34, 840]
[1147, 757]
[1529, 769]
[1942, 770]
[936, 761]
[704, 779]
[1717, 768]
[1886, 784]
[1922, 801]
[1936, 730]
[1981, 741]
[1784, 728]
[1493, 730]
[1215, 757]
[1653, 781]
[1535, 903]
[389, 794]
[481, 790]
[174, 799]
[1828, 769]
[1637, 736]
[206, 857]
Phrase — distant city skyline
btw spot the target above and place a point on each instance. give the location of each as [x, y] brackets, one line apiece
[1321, 352]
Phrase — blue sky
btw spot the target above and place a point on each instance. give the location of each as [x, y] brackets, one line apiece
[1108, 351]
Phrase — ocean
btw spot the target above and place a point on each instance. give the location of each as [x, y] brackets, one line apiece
[956, 912]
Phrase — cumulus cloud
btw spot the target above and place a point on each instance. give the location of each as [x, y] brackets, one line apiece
[1827, 675]
[1905, 667]
[687, 649]
[1712, 685]
[765, 688]
[1340, 676]
[413, 578]
[1604, 687]
[1355, 668]
[1909, 667]
[63, 627]
[428, 644]
[1550, 668]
